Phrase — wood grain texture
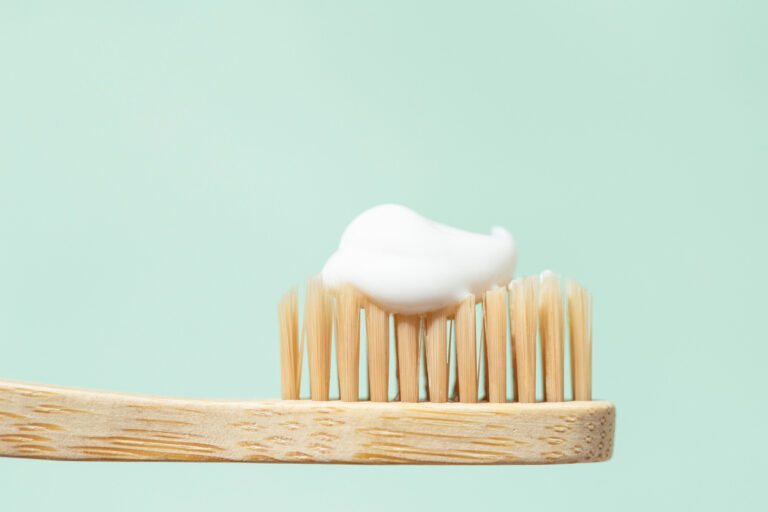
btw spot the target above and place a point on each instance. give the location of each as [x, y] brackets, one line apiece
[49, 422]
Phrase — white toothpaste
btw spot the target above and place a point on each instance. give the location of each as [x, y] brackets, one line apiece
[409, 264]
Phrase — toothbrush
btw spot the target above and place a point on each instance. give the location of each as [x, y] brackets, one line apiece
[48, 422]
[51, 422]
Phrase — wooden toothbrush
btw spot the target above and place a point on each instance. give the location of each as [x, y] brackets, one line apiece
[48, 422]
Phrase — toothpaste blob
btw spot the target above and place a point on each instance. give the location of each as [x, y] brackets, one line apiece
[408, 264]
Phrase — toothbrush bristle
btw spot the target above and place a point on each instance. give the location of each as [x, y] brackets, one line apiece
[348, 342]
[466, 350]
[580, 326]
[495, 318]
[290, 358]
[407, 341]
[437, 357]
[318, 316]
[523, 312]
[551, 334]
[377, 338]
[530, 306]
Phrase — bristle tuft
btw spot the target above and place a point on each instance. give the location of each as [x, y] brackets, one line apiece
[466, 350]
[495, 317]
[348, 342]
[377, 336]
[580, 327]
[290, 356]
[318, 312]
[551, 331]
[523, 310]
[407, 343]
[437, 367]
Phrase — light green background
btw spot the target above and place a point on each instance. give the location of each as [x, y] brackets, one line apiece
[168, 169]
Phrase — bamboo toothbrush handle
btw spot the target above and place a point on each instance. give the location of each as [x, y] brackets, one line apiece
[50, 422]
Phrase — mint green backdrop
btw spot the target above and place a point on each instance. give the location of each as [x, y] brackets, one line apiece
[168, 169]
